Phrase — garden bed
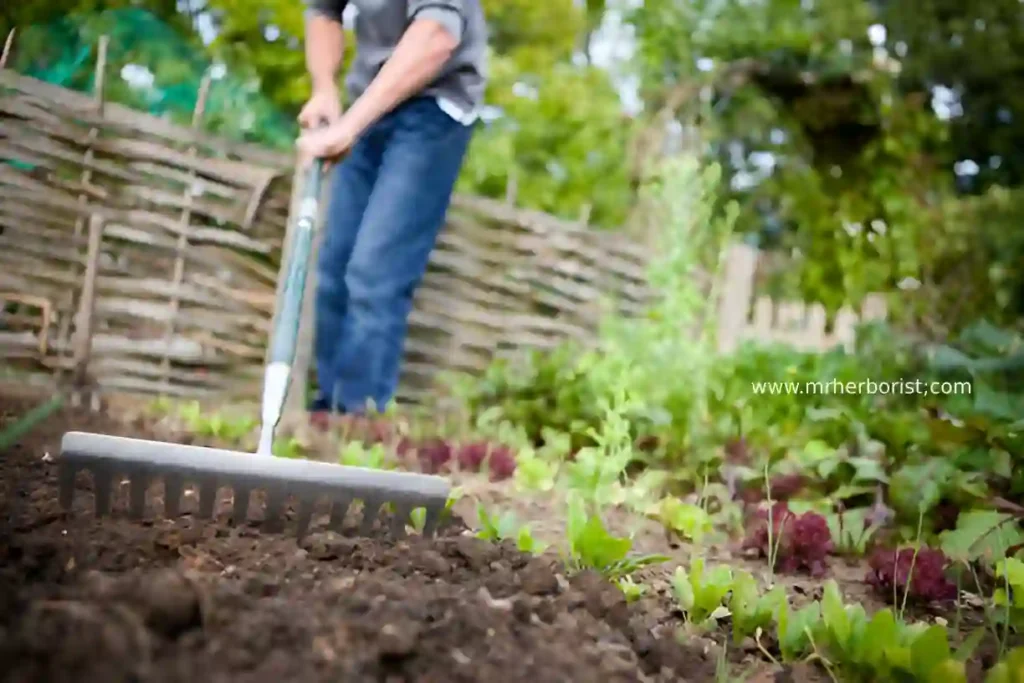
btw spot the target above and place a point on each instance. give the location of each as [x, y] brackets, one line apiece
[183, 600]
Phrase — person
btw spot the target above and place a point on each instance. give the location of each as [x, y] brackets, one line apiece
[416, 86]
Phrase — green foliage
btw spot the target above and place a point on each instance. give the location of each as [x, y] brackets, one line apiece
[701, 592]
[593, 547]
[358, 454]
[228, 430]
[632, 590]
[561, 139]
[506, 527]
[1010, 670]
[152, 66]
[1009, 597]
[752, 611]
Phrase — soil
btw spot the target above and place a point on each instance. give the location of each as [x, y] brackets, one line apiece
[165, 600]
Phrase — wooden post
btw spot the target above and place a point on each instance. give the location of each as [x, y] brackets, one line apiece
[8, 46]
[511, 188]
[63, 333]
[82, 345]
[740, 267]
[185, 224]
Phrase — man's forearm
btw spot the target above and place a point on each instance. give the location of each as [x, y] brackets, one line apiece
[417, 60]
[325, 50]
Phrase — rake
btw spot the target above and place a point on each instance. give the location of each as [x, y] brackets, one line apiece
[110, 458]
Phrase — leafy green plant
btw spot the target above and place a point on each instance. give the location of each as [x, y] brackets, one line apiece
[631, 589]
[701, 591]
[289, 447]
[691, 522]
[592, 546]
[852, 530]
[357, 454]
[1009, 596]
[496, 528]
[1008, 670]
[751, 610]
[226, 430]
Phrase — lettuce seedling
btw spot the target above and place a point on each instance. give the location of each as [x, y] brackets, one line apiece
[750, 609]
[592, 546]
[701, 592]
[1009, 597]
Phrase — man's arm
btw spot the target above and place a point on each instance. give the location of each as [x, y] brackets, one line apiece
[434, 32]
[325, 42]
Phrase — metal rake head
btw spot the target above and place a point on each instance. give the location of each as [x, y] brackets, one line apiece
[145, 462]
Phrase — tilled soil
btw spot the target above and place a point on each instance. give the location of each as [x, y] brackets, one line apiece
[161, 600]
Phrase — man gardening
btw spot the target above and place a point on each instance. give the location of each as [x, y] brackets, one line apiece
[415, 86]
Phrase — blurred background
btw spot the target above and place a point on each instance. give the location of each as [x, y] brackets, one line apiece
[878, 146]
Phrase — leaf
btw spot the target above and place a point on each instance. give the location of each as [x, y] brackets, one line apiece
[981, 534]
[928, 650]
[970, 644]
[834, 614]
[683, 589]
[879, 634]
[598, 548]
[948, 671]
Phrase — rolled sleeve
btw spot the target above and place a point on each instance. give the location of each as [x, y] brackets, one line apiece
[331, 9]
[449, 13]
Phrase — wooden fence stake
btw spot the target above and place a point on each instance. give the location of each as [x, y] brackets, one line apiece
[8, 46]
[82, 345]
[181, 249]
[63, 333]
[738, 289]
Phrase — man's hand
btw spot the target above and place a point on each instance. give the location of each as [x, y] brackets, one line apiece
[326, 143]
[322, 109]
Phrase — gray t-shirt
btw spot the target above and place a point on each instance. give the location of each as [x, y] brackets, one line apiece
[380, 24]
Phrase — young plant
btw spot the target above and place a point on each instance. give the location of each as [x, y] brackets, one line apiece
[691, 522]
[592, 546]
[751, 610]
[630, 589]
[356, 454]
[793, 542]
[852, 531]
[701, 592]
[506, 527]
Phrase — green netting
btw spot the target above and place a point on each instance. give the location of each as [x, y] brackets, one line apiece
[151, 67]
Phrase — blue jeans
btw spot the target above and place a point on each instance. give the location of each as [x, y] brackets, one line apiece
[388, 203]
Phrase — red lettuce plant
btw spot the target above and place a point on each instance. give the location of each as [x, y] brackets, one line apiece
[890, 573]
[438, 455]
[802, 542]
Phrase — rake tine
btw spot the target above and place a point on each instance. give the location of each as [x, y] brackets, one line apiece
[207, 497]
[102, 482]
[433, 517]
[398, 522]
[273, 519]
[240, 512]
[173, 485]
[338, 511]
[138, 484]
[371, 508]
[305, 516]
